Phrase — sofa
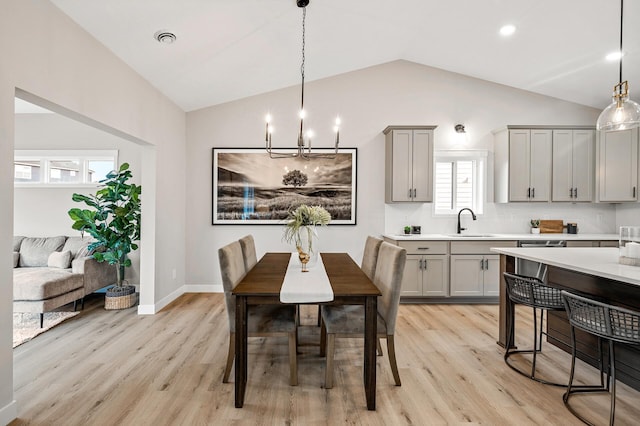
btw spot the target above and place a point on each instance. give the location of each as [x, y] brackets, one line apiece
[50, 272]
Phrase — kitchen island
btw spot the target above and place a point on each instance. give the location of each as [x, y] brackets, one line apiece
[591, 272]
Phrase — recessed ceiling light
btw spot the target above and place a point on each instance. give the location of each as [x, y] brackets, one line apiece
[165, 37]
[507, 30]
[614, 56]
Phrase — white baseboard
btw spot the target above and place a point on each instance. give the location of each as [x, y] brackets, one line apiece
[8, 413]
[192, 288]
[203, 288]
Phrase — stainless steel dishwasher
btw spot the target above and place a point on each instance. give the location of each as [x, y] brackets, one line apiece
[536, 269]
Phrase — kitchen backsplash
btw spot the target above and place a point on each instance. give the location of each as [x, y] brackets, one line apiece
[502, 218]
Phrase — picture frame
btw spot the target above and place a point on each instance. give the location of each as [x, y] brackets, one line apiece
[249, 187]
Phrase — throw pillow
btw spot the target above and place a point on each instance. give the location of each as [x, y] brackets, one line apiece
[16, 258]
[59, 259]
[36, 251]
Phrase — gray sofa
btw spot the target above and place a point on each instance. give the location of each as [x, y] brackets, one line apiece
[50, 272]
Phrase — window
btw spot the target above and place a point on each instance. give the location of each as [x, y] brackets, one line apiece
[62, 167]
[459, 181]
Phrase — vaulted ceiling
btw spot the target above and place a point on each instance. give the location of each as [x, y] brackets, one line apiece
[230, 49]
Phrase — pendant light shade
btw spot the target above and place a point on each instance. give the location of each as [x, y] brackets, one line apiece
[623, 113]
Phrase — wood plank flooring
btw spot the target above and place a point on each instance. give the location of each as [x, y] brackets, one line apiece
[118, 368]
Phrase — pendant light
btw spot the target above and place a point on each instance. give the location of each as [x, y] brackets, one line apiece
[623, 113]
[303, 146]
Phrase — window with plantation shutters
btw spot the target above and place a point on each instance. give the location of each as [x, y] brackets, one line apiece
[459, 181]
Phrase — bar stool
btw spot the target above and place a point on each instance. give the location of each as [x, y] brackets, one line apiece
[530, 291]
[605, 321]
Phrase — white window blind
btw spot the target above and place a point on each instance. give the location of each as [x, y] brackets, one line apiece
[459, 181]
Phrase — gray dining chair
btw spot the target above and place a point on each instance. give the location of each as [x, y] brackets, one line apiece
[370, 256]
[263, 320]
[348, 321]
[248, 252]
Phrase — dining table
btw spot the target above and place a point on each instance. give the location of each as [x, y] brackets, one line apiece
[350, 285]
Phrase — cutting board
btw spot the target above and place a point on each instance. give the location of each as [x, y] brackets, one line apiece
[551, 227]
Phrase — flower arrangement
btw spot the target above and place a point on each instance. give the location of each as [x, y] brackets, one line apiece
[304, 216]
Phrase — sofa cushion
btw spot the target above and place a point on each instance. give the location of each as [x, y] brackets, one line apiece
[78, 246]
[36, 251]
[59, 259]
[16, 259]
[43, 283]
[17, 241]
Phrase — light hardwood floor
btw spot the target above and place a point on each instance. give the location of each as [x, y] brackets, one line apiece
[118, 368]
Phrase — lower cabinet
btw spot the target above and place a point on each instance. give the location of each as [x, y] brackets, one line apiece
[475, 275]
[425, 275]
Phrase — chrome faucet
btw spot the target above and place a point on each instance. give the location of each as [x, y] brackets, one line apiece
[473, 215]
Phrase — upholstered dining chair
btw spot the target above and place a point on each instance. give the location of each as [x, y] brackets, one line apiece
[263, 320]
[348, 321]
[370, 256]
[368, 265]
[248, 252]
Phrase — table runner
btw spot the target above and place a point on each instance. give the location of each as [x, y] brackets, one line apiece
[305, 287]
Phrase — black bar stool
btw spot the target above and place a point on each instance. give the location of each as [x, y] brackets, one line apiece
[530, 291]
[605, 321]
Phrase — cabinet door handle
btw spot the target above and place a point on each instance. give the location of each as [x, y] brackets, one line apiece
[486, 264]
[528, 192]
[570, 192]
[423, 248]
[410, 193]
[575, 192]
[415, 193]
[425, 264]
[533, 193]
[634, 192]
[422, 264]
[482, 264]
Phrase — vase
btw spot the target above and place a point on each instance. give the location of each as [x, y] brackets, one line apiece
[535, 230]
[307, 247]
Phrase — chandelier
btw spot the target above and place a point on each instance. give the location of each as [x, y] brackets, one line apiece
[623, 113]
[303, 149]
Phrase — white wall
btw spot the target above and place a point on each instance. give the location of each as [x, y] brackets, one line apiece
[54, 131]
[368, 100]
[47, 55]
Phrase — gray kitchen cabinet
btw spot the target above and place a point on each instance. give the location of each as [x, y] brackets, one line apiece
[522, 164]
[573, 159]
[617, 165]
[475, 275]
[409, 164]
[474, 269]
[426, 272]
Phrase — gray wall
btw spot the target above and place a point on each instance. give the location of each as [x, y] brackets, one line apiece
[368, 100]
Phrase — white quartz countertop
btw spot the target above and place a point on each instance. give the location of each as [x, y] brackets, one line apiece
[597, 261]
[501, 237]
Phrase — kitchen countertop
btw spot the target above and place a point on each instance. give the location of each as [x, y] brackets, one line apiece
[502, 237]
[597, 261]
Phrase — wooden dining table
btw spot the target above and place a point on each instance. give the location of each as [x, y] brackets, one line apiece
[350, 286]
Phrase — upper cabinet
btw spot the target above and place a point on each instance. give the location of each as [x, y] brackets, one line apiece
[573, 165]
[522, 164]
[409, 164]
[618, 165]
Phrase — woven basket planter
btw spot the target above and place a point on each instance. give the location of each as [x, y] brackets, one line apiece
[122, 299]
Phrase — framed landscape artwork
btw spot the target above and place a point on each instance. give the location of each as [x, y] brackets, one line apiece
[249, 187]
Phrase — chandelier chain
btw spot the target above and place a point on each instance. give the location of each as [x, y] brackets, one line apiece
[621, 24]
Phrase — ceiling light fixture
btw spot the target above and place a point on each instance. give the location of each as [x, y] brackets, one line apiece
[623, 113]
[165, 37]
[303, 149]
[507, 30]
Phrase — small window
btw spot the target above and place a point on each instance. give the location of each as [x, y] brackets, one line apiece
[62, 167]
[459, 181]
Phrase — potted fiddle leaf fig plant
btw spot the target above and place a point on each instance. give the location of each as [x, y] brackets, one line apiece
[113, 220]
